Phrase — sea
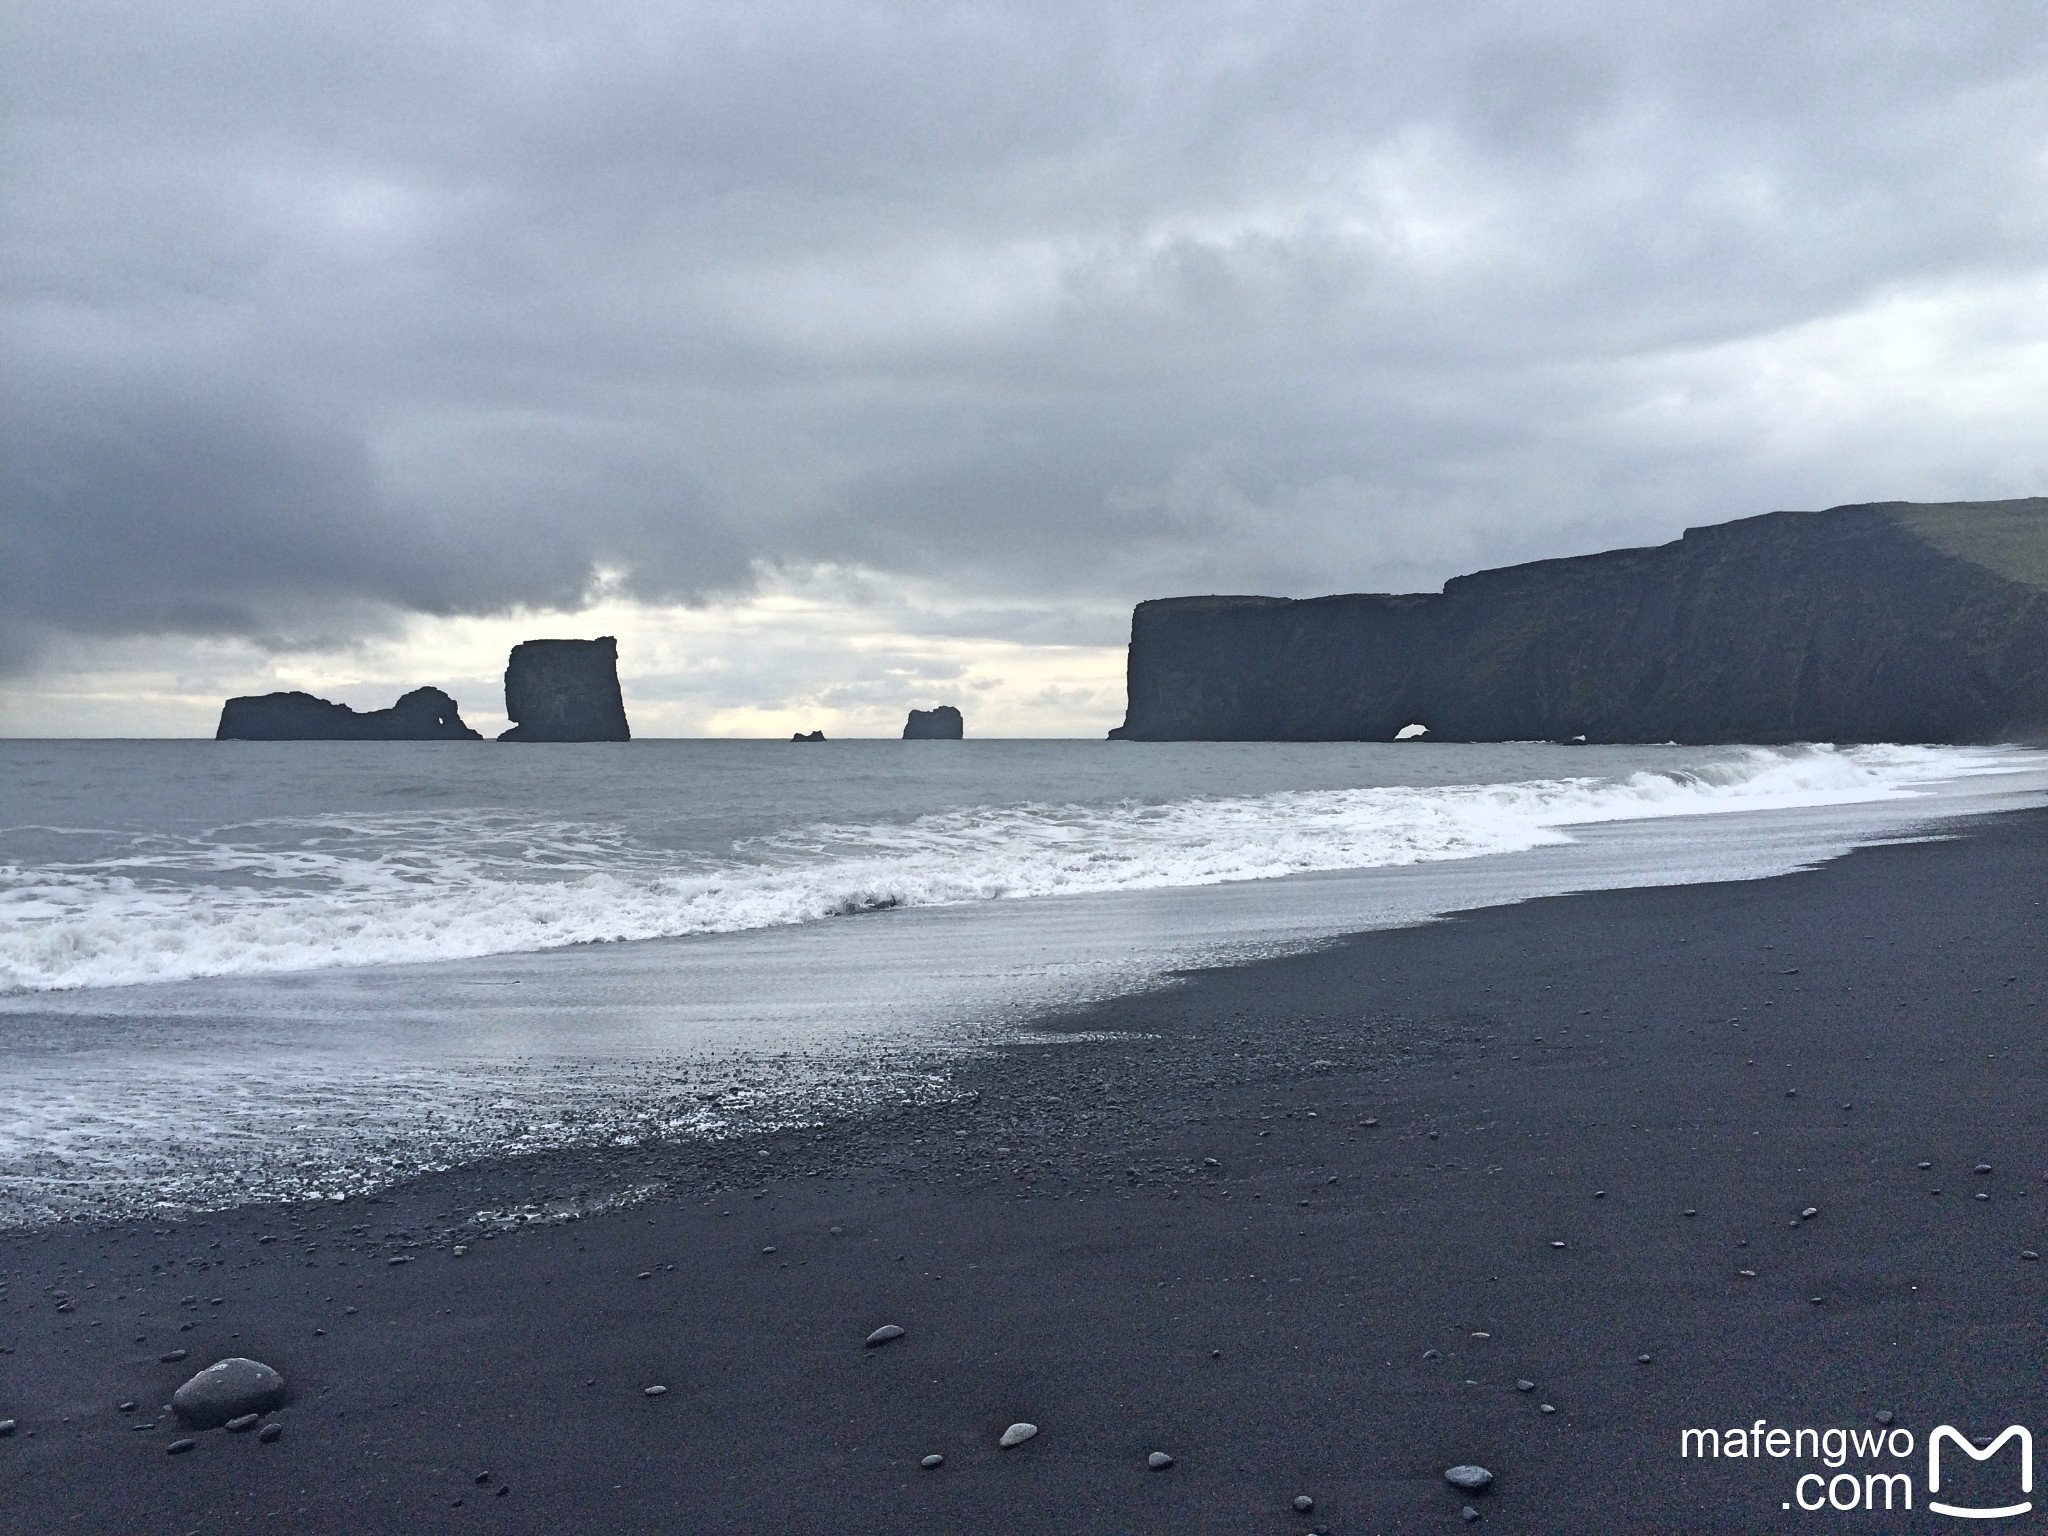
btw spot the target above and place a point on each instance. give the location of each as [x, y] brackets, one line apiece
[238, 972]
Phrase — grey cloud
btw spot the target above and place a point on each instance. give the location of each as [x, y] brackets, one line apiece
[315, 316]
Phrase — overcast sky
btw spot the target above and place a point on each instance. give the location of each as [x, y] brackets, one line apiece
[844, 357]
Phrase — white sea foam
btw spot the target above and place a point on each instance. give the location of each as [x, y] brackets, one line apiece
[326, 891]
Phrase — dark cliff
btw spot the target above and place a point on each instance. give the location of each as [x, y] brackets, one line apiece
[941, 724]
[1884, 622]
[565, 690]
[425, 714]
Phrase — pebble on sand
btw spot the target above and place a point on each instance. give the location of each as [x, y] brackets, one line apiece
[932, 1461]
[1548, 1408]
[1016, 1434]
[1159, 1461]
[269, 1433]
[241, 1423]
[6, 1427]
[1884, 1415]
[1525, 1386]
[1469, 1514]
[179, 1447]
[1471, 1478]
[227, 1389]
[1809, 1213]
[657, 1390]
[1303, 1504]
[884, 1335]
[2028, 1253]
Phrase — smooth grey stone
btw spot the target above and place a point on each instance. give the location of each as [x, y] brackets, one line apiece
[1548, 1408]
[1470, 1514]
[237, 1425]
[174, 1356]
[654, 1391]
[1983, 1167]
[1642, 1359]
[1303, 1504]
[1159, 1461]
[1809, 1213]
[226, 1390]
[883, 1335]
[270, 1432]
[1525, 1386]
[1884, 1415]
[6, 1426]
[1468, 1477]
[179, 1447]
[932, 1461]
[2028, 1253]
[1017, 1434]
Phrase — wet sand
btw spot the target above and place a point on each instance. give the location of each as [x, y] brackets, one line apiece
[1403, 1127]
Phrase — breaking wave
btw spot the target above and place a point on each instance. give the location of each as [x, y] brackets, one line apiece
[313, 892]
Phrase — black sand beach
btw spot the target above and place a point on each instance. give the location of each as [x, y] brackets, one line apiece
[1404, 1128]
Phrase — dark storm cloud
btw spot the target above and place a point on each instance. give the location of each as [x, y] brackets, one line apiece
[316, 313]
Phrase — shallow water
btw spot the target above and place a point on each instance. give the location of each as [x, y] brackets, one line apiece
[268, 971]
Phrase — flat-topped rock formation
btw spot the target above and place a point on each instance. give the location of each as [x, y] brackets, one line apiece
[565, 690]
[941, 724]
[1882, 622]
[425, 714]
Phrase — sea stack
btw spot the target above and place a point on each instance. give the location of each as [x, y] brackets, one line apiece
[425, 714]
[941, 724]
[565, 690]
[1889, 621]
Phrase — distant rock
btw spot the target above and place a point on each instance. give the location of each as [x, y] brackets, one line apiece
[565, 690]
[807, 736]
[425, 714]
[941, 724]
[226, 1390]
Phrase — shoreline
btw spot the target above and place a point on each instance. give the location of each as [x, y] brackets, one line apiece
[1071, 1256]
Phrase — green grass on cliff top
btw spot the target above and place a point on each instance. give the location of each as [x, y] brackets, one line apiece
[2009, 537]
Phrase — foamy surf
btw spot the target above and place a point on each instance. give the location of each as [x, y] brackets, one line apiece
[305, 893]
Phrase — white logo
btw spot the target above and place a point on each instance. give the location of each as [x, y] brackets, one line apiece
[1944, 1432]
